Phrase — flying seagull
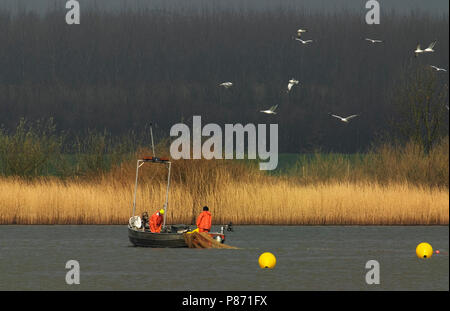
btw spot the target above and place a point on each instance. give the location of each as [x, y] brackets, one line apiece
[429, 49]
[418, 50]
[292, 82]
[226, 84]
[373, 40]
[346, 119]
[437, 68]
[271, 110]
[303, 41]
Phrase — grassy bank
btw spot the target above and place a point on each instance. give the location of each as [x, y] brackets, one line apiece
[384, 164]
[234, 191]
[387, 185]
[258, 202]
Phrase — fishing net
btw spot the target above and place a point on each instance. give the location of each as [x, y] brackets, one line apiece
[203, 240]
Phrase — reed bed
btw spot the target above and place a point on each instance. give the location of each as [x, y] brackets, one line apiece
[390, 186]
[270, 201]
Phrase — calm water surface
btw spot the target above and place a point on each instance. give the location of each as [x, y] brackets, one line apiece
[308, 258]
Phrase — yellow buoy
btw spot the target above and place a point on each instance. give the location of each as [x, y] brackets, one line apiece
[424, 250]
[267, 260]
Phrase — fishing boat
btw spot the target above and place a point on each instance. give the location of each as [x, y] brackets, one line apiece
[139, 233]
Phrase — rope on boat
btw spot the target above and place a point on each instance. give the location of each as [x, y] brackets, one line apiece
[203, 240]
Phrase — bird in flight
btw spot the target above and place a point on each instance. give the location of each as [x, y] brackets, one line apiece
[437, 68]
[418, 50]
[271, 110]
[292, 82]
[373, 40]
[346, 119]
[226, 84]
[429, 49]
[303, 41]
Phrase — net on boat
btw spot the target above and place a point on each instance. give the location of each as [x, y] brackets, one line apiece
[203, 240]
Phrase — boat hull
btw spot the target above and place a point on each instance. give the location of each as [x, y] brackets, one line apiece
[159, 240]
[163, 240]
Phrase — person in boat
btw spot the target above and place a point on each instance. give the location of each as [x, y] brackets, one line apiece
[204, 220]
[145, 221]
[156, 221]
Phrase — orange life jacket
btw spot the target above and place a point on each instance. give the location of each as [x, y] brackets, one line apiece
[204, 221]
[156, 222]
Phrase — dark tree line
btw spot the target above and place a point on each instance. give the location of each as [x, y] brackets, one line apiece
[121, 71]
[421, 104]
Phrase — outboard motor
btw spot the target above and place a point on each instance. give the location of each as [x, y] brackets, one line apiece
[228, 227]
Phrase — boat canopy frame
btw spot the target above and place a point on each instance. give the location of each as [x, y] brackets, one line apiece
[153, 160]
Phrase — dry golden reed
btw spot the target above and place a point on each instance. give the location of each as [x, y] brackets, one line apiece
[254, 200]
[236, 192]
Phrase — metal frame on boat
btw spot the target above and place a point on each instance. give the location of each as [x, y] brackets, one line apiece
[170, 236]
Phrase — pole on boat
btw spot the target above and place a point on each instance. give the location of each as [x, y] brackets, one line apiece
[138, 165]
[151, 134]
[135, 189]
[167, 194]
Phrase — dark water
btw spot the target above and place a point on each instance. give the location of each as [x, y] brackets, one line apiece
[308, 258]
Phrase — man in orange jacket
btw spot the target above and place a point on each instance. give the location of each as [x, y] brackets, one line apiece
[204, 220]
[156, 221]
